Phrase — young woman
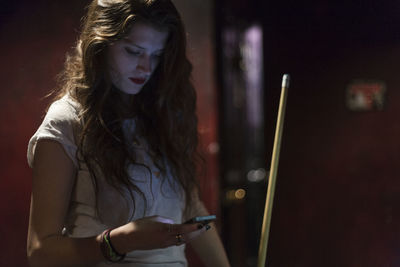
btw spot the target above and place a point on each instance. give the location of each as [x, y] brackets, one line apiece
[115, 158]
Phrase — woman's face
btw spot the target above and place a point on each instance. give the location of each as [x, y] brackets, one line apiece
[132, 60]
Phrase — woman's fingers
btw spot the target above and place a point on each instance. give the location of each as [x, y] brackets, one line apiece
[161, 230]
[167, 225]
[183, 233]
[186, 228]
[198, 232]
[161, 219]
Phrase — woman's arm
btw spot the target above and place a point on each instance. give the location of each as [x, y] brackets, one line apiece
[209, 248]
[53, 180]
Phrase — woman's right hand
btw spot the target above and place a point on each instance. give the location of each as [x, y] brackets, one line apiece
[152, 233]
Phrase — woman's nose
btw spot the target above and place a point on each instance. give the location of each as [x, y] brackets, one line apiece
[144, 64]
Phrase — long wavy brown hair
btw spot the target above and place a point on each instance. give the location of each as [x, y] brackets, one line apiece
[164, 109]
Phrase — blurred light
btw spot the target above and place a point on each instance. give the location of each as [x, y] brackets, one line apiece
[230, 195]
[252, 53]
[234, 195]
[213, 148]
[240, 193]
[256, 175]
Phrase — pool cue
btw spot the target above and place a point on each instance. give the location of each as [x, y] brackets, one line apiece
[262, 252]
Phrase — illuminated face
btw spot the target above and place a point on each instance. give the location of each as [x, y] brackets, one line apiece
[132, 60]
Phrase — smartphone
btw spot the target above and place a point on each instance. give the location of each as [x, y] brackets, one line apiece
[202, 219]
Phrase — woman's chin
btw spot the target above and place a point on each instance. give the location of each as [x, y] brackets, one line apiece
[130, 91]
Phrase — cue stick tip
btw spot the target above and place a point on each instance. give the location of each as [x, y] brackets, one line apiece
[285, 80]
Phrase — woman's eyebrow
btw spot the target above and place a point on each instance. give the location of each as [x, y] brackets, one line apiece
[130, 42]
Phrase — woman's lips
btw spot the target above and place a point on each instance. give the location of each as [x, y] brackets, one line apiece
[137, 80]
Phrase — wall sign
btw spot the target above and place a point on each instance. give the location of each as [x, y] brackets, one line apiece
[365, 95]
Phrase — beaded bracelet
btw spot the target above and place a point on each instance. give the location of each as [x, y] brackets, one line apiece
[108, 250]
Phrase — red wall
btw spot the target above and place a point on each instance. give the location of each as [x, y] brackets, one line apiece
[198, 18]
[34, 39]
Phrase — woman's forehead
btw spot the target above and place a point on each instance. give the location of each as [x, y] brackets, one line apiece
[146, 36]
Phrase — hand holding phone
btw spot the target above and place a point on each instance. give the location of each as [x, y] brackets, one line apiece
[202, 219]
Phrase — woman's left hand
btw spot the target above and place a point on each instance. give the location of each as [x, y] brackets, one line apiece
[152, 233]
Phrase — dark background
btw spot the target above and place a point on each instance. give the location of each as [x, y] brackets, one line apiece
[337, 201]
[339, 190]
[34, 38]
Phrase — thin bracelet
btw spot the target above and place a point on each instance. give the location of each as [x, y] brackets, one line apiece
[108, 250]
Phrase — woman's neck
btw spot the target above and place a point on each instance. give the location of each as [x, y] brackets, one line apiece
[125, 105]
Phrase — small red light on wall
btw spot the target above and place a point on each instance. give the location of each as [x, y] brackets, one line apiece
[365, 95]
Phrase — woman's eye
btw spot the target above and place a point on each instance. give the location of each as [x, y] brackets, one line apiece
[132, 52]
